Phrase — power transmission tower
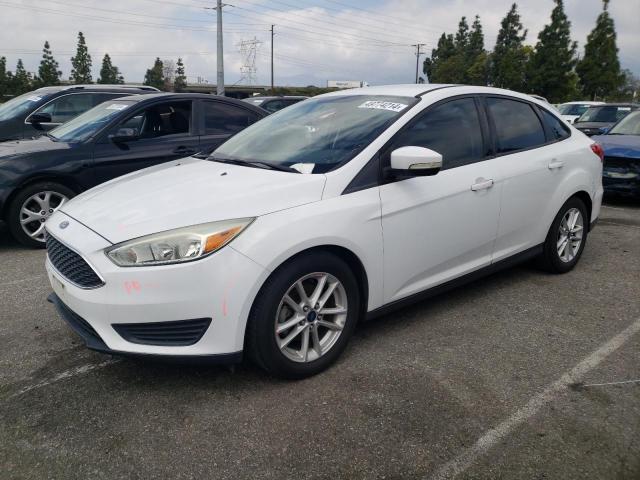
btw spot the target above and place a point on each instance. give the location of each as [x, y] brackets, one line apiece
[248, 51]
[272, 58]
[220, 54]
[418, 53]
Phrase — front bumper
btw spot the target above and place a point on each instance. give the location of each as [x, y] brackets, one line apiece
[220, 287]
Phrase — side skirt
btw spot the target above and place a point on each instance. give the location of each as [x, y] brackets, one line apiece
[512, 261]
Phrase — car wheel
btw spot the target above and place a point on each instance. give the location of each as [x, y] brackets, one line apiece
[303, 316]
[566, 238]
[31, 207]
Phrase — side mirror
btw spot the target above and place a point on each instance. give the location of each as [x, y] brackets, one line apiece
[415, 161]
[37, 118]
[124, 135]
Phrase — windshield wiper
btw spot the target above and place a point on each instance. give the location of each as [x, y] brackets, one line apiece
[256, 164]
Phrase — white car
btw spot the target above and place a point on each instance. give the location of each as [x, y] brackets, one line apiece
[333, 210]
[571, 111]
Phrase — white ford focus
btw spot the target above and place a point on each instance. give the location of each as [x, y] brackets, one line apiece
[332, 210]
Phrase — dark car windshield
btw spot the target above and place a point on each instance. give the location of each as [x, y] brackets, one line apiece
[316, 135]
[90, 122]
[19, 105]
[629, 125]
[604, 113]
[573, 109]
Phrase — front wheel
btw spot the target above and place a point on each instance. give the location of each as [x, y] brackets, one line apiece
[566, 238]
[304, 315]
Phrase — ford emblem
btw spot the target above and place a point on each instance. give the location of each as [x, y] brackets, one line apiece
[64, 224]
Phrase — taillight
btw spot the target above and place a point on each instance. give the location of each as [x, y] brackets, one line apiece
[598, 150]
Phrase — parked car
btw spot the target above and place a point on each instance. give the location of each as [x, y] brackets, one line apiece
[600, 118]
[35, 113]
[117, 137]
[571, 111]
[339, 208]
[273, 104]
[621, 144]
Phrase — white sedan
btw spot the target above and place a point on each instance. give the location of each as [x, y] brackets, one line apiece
[333, 210]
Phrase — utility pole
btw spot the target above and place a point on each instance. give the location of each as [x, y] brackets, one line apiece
[418, 53]
[272, 58]
[220, 54]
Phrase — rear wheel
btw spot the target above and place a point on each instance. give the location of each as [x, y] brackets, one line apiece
[31, 208]
[304, 315]
[566, 238]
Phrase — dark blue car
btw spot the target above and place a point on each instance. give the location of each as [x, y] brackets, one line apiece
[621, 144]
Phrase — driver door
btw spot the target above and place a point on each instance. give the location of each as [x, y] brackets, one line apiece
[437, 228]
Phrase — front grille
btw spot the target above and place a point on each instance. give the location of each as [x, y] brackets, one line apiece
[178, 333]
[71, 265]
[622, 163]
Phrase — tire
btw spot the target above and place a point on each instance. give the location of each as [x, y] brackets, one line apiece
[551, 259]
[51, 195]
[270, 311]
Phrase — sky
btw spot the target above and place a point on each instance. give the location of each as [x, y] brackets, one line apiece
[315, 40]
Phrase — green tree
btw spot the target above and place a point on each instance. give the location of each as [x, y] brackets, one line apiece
[550, 70]
[476, 59]
[20, 81]
[509, 57]
[155, 75]
[444, 50]
[48, 73]
[109, 73]
[599, 69]
[4, 79]
[180, 81]
[81, 63]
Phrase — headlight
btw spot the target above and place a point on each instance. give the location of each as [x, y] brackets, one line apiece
[177, 246]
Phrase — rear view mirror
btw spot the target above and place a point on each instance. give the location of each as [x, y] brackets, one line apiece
[124, 135]
[37, 118]
[415, 161]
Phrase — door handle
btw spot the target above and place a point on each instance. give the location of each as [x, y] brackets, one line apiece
[482, 184]
[182, 150]
[555, 164]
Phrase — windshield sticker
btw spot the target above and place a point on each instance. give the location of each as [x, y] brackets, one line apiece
[117, 106]
[304, 167]
[624, 109]
[34, 98]
[380, 105]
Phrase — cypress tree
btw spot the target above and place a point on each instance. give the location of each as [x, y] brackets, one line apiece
[48, 73]
[109, 73]
[599, 70]
[509, 57]
[4, 79]
[180, 81]
[21, 80]
[155, 75]
[550, 70]
[477, 62]
[81, 63]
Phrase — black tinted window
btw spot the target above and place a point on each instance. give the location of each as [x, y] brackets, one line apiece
[98, 98]
[517, 125]
[451, 129]
[65, 107]
[159, 120]
[221, 118]
[556, 126]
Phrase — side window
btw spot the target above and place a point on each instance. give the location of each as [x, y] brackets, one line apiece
[64, 108]
[168, 118]
[222, 118]
[98, 98]
[558, 129]
[274, 105]
[517, 125]
[452, 129]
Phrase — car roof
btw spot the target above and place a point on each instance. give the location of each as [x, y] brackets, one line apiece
[586, 102]
[150, 97]
[276, 97]
[98, 88]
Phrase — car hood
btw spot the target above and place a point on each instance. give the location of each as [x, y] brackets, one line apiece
[570, 118]
[188, 192]
[17, 148]
[592, 124]
[619, 145]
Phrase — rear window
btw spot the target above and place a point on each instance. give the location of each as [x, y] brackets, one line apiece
[605, 114]
[517, 125]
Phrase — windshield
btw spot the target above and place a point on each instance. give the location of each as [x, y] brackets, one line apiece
[86, 125]
[573, 109]
[629, 125]
[604, 113]
[317, 135]
[19, 105]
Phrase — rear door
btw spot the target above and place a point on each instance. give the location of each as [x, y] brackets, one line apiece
[165, 132]
[440, 227]
[220, 120]
[531, 162]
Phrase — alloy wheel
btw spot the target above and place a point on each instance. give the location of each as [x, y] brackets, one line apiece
[311, 317]
[37, 209]
[570, 235]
